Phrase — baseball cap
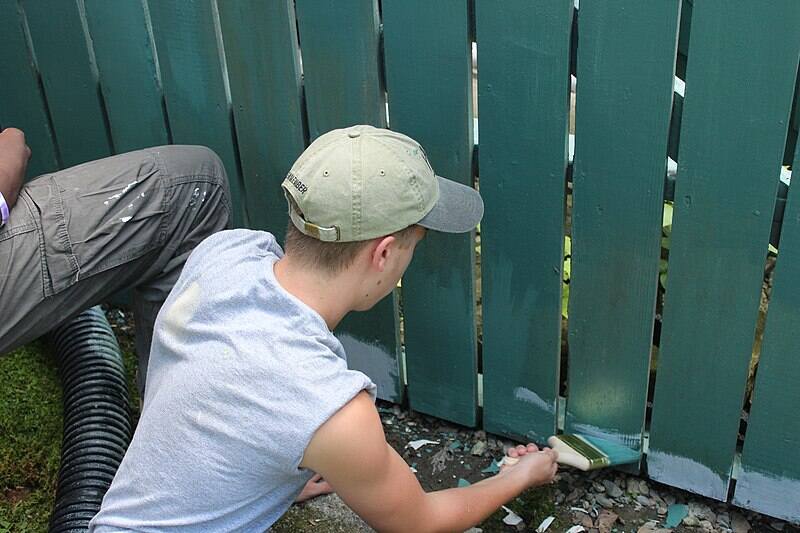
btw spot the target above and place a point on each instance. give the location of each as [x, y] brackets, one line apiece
[362, 182]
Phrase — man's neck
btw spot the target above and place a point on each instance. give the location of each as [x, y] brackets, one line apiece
[328, 295]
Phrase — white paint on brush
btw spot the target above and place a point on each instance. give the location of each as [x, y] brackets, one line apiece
[768, 494]
[687, 474]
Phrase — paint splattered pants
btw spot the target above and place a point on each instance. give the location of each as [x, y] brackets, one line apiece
[78, 236]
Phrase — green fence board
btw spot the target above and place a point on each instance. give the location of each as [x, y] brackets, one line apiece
[627, 56]
[21, 102]
[428, 71]
[69, 79]
[768, 482]
[340, 42]
[738, 96]
[127, 71]
[523, 98]
[194, 85]
[263, 68]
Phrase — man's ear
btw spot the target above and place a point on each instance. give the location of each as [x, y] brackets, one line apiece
[381, 251]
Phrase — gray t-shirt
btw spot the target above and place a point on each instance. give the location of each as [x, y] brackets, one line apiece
[241, 375]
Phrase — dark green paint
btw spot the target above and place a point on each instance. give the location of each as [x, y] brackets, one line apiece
[69, 79]
[738, 97]
[340, 39]
[523, 162]
[627, 52]
[194, 85]
[127, 72]
[769, 480]
[21, 102]
[263, 68]
[428, 69]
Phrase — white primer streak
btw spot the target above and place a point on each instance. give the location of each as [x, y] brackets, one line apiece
[687, 474]
[768, 494]
[527, 395]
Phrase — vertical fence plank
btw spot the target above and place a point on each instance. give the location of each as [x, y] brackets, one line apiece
[263, 68]
[428, 68]
[194, 85]
[523, 73]
[768, 482]
[626, 61]
[339, 41]
[738, 95]
[127, 73]
[69, 80]
[21, 101]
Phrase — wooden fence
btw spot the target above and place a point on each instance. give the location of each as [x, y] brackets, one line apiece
[665, 372]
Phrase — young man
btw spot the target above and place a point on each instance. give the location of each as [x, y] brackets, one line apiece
[71, 239]
[248, 390]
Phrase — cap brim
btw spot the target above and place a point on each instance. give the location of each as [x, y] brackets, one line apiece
[459, 208]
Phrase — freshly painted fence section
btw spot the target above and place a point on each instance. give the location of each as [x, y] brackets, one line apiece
[131, 92]
[627, 56]
[427, 41]
[523, 92]
[769, 481]
[70, 80]
[263, 61]
[738, 98]
[87, 78]
[194, 85]
[21, 102]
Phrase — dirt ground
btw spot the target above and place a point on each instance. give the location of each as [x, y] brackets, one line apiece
[600, 502]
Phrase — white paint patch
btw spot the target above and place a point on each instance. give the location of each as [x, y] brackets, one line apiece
[373, 360]
[125, 219]
[686, 473]
[182, 309]
[528, 396]
[124, 190]
[768, 494]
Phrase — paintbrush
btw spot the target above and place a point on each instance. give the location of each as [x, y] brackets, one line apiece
[586, 453]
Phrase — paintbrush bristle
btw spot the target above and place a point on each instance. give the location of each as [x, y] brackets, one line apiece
[598, 452]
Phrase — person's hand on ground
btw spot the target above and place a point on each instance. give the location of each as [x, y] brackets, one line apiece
[316, 486]
[14, 155]
[540, 466]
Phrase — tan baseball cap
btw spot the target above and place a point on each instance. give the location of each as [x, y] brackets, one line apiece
[363, 182]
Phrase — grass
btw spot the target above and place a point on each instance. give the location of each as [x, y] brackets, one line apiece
[31, 421]
[30, 437]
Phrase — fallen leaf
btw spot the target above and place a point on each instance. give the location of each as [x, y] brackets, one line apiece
[606, 520]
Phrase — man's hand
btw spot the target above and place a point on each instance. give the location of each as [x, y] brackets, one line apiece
[350, 451]
[14, 155]
[316, 486]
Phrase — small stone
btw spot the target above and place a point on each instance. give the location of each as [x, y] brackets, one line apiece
[777, 526]
[739, 523]
[603, 500]
[724, 520]
[633, 486]
[670, 499]
[586, 521]
[573, 496]
[644, 488]
[396, 410]
[559, 498]
[701, 511]
[612, 488]
[480, 434]
[479, 448]
[706, 525]
[606, 520]
[598, 487]
[644, 501]
[691, 521]
[662, 510]
[585, 505]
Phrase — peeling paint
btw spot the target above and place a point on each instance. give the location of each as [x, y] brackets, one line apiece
[768, 494]
[686, 473]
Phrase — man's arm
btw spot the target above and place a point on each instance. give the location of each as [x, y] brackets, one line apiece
[14, 155]
[350, 451]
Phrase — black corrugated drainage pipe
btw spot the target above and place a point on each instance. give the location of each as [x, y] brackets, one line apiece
[97, 427]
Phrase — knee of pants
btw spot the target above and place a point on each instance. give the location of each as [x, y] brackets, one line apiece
[184, 161]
